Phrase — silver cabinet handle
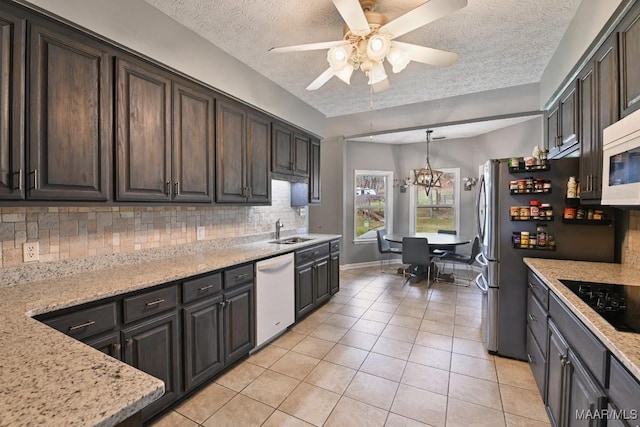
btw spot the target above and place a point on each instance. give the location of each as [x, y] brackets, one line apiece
[204, 288]
[530, 358]
[532, 285]
[167, 188]
[129, 342]
[35, 179]
[156, 302]
[19, 186]
[116, 347]
[82, 325]
[222, 303]
[176, 186]
[532, 317]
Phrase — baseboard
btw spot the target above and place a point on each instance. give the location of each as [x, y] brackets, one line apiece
[370, 264]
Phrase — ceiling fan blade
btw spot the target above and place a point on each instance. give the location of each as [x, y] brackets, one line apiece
[353, 16]
[322, 79]
[428, 55]
[381, 86]
[310, 46]
[422, 15]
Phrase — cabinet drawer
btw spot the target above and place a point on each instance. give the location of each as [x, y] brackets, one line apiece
[537, 321]
[238, 276]
[334, 246]
[624, 389]
[590, 349]
[85, 323]
[307, 255]
[201, 287]
[149, 303]
[539, 289]
[537, 362]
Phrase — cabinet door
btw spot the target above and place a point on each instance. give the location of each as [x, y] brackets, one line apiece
[314, 171]
[555, 376]
[583, 396]
[258, 158]
[586, 107]
[12, 93]
[321, 285]
[301, 155]
[606, 108]
[238, 323]
[143, 125]
[193, 143]
[108, 344]
[568, 116]
[152, 347]
[203, 345]
[334, 272]
[552, 128]
[230, 152]
[304, 289]
[629, 32]
[282, 149]
[70, 123]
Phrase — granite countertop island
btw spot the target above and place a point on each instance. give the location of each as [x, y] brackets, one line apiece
[625, 346]
[49, 378]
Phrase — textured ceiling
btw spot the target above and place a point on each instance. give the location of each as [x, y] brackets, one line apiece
[501, 43]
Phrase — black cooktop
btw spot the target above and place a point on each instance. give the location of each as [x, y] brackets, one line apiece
[617, 304]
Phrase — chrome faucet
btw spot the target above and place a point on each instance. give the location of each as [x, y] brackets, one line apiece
[279, 225]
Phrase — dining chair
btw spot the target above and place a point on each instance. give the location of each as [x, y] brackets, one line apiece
[415, 252]
[467, 260]
[384, 247]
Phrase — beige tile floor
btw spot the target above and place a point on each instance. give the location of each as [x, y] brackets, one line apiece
[378, 354]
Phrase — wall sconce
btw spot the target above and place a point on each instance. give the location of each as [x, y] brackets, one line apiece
[469, 182]
[402, 183]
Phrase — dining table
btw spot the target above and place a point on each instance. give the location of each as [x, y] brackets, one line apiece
[441, 241]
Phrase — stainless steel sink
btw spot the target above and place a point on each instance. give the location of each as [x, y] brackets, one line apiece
[291, 240]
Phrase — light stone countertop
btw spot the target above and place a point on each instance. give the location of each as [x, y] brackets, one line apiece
[625, 346]
[48, 378]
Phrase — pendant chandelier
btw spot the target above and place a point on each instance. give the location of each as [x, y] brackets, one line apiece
[427, 177]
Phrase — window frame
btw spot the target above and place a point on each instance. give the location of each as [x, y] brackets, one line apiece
[388, 203]
[413, 201]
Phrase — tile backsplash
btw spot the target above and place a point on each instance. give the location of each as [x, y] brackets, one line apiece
[631, 242]
[81, 232]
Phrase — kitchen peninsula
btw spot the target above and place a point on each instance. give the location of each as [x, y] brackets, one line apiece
[50, 378]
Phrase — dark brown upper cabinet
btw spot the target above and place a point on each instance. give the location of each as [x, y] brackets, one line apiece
[290, 151]
[629, 33]
[598, 109]
[242, 155]
[12, 101]
[143, 126]
[314, 171]
[193, 143]
[563, 118]
[70, 113]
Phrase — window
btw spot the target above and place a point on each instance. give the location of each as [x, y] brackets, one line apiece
[372, 204]
[439, 210]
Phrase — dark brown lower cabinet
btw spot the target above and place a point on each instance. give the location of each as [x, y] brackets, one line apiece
[203, 350]
[238, 322]
[313, 278]
[321, 288]
[152, 347]
[304, 289]
[334, 272]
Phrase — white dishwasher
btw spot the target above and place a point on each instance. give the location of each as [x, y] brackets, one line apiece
[275, 297]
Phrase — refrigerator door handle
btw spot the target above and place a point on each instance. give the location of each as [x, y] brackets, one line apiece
[480, 205]
[481, 284]
[482, 260]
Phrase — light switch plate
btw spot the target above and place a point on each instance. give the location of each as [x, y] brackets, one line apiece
[200, 233]
[30, 251]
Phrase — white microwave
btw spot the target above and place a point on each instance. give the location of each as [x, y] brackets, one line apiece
[621, 162]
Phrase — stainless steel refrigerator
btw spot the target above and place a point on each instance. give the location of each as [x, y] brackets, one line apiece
[504, 274]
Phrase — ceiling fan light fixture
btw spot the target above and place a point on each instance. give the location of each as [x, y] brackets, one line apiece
[377, 74]
[345, 74]
[398, 58]
[338, 56]
[378, 46]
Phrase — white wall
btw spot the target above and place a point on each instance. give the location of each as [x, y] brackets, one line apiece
[589, 20]
[144, 29]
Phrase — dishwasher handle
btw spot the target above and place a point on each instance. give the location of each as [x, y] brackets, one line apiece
[274, 265]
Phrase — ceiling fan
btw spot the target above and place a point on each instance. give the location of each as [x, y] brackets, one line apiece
[369, 39]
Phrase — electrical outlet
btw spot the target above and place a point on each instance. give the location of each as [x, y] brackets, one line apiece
[30, 251]
[200, 233]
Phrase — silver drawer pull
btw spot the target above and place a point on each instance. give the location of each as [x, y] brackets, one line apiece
[204, 288]
[530, 358]
[82, 325]
[532, 318]
[156, 302]
[240, 276]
